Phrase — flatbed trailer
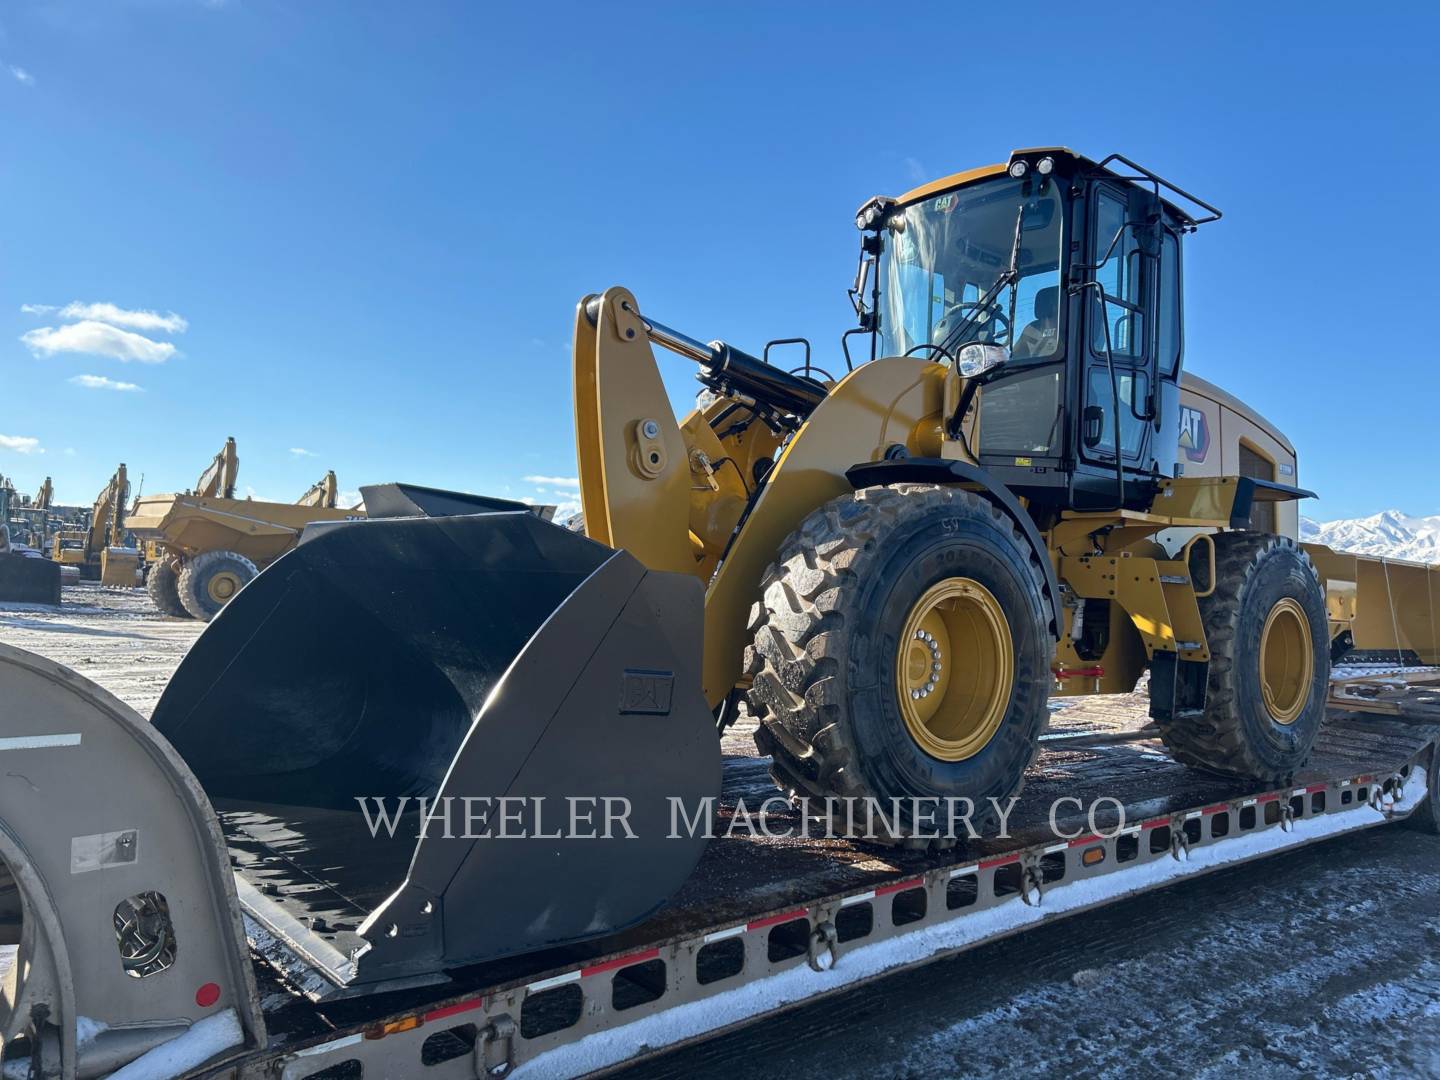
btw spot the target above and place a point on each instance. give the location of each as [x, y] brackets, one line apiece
[766, 922]
[770, 923]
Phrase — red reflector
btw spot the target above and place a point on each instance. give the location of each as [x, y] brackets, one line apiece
[207, 995]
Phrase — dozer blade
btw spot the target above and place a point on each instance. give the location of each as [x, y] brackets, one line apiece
[450, 658]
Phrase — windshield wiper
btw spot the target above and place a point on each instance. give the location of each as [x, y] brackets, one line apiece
[1009, 276]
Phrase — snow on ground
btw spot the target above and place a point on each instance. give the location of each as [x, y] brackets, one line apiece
[114, 637]
[1317, 962]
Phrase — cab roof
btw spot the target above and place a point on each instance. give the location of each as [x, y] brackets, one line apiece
[1081, 163]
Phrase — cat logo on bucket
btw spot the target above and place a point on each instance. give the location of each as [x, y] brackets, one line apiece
[1194, 434]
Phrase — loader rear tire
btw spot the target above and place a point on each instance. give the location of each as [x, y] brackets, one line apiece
[837, 642]
[1266, 627]
[209, 580]
[162, 582]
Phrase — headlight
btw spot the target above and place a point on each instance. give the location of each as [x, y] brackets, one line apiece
[978, 358]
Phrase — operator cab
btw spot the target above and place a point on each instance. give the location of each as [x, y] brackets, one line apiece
[1051, 284]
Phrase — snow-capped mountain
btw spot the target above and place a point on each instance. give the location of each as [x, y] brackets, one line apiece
[1390, 532]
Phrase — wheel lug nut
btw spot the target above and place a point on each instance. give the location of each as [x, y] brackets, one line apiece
[915, 695]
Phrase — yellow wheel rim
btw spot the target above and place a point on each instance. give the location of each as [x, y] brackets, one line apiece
[223, 586]
[1287, 661]
[955, 669]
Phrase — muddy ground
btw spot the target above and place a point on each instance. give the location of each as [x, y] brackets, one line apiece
[1316, 963]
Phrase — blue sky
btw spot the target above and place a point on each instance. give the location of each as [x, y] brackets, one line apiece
[362, 228]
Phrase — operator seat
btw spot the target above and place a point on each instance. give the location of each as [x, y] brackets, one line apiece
[1039, 337]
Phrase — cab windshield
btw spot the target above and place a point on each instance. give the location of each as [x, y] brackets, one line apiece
[944, 255]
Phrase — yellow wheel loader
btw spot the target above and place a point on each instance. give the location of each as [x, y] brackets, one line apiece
[207, 544]
[1013, 493]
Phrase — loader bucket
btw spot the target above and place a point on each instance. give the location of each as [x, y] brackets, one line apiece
[477, 657]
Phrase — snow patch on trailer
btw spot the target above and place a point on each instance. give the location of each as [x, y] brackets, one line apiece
[607, 1048]
[205, 1038]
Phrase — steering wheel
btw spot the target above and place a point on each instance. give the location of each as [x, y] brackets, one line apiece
[990, 323]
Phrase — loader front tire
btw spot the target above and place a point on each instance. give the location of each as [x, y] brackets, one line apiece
[162, 582]
[1266, 628]
[209, 580]
[901, 651]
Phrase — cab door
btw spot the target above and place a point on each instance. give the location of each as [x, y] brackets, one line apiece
[1118, 369]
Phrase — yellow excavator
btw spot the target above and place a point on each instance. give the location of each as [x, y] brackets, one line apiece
[1002, 488]
[203, 546]
[99, 551]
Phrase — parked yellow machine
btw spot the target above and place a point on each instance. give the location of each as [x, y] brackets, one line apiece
[99, 551]
[204, 545]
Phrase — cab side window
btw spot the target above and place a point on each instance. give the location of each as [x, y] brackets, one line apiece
[1168, 318]
[1122, 309]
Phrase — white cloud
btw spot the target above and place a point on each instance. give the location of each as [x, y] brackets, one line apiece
[97, 339]
[22, 76]
[300, 451]
[100, 382]
[21, 444]
[554, 481]
[133, 319]
[37, 309]
[69, 451]
[915, 170]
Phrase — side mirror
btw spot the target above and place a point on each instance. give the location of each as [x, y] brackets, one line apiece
[1094, 425]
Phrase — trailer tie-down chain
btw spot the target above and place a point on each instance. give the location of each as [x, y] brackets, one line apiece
[500, 1032]
[1031, 884]
[824, 946]
[1179, 843]
[1287, 817]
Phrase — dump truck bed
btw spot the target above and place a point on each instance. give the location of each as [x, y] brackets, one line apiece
[768, 922]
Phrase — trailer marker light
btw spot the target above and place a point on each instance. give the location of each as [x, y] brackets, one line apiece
[1093, 856]
[379, 1031]
[207, 995]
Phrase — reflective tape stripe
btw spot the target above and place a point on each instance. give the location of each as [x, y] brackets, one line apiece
[451, 1010]
[760, 924]
[39, 742]
[858, 898]
[721, 935]
[620, 962]
[558, 980]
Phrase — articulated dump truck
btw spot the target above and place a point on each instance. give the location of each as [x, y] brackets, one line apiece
[205, 545]
[451, 777]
